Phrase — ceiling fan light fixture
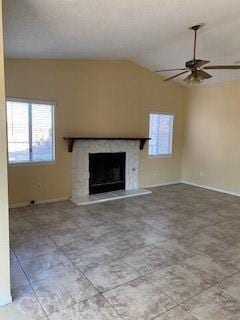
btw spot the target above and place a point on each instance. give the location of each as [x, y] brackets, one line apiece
[194, 78]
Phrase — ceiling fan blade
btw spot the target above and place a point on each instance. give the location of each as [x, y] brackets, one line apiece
[176, 75]
[203, 74]
[230, 67]
[166, 70]
[201, 63]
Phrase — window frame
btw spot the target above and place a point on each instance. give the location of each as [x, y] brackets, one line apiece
[29, 102]
[161, 155]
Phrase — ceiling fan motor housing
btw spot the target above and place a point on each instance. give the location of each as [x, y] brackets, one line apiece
[192, 64]
[197, 26]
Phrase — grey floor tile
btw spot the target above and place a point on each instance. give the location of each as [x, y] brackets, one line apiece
[214, 304]
[139, 300]
[149, 259]
[78, 239]
[39, 246]
[158, 219]
[177, 313]
[19, 224]
[111, 274]
[151, 236]
[169, 231]
[232, 286]
[19, 237]
[221, 233]
[176, 249]
[210, 215]
[84, 258]
[96, 308]
[56, 294]
[133, 222]
[208, 269]
[201, 241]
[18, 278]
[229, 212]
[177, 282]
[54, 265]
[24, 307]
[64, 237]
[120, 245]
[103, 228]
[53, 218]
[195, 222]
[227, 253]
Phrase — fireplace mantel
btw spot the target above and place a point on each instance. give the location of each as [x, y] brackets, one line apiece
[71, 140]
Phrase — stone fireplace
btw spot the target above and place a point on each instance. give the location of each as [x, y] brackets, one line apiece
[106, 157]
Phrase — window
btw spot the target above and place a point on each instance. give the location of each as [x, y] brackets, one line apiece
[161, 134]
[30, 131]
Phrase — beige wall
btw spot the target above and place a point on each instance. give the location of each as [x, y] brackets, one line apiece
[212, 148]
[5, 296]
[95, 98]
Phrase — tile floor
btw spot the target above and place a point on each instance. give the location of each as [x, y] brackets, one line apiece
[170, 255]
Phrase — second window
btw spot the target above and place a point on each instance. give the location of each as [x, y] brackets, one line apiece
[161, 134]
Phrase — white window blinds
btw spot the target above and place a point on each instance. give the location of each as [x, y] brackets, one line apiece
[161, 134]
[30, 132]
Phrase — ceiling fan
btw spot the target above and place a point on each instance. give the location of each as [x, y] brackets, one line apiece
[196, 67]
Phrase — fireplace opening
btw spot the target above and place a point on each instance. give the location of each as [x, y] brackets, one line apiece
[107, 172]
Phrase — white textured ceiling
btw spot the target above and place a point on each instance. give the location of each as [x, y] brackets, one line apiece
[153, 33]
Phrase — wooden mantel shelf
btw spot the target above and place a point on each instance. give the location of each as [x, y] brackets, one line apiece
[71, 140]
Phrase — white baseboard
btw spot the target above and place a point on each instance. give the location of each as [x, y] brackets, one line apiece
[51, 200]
[211, 188]
[5, 300]
[162, 184]
[18, 205]
[25, 204]
[194, 185]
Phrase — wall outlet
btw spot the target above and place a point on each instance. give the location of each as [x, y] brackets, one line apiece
[38, 185]
[201, 173]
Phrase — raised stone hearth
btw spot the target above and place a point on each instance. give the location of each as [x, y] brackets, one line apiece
[80, 169]
[107, 196]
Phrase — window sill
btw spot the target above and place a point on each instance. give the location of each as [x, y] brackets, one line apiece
[160, 156]
[37, 163]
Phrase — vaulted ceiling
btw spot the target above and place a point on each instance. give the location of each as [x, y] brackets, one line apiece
[153, 33]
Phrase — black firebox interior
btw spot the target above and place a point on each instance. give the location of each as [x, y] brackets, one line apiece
[107, 172]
